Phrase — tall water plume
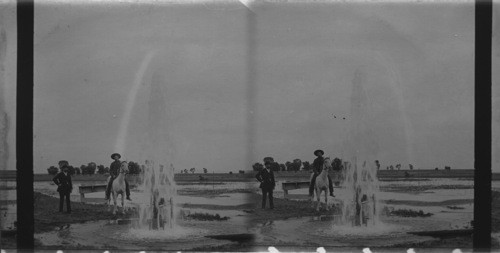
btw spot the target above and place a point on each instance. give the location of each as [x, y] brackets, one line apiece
[158, 183]
[360, 204]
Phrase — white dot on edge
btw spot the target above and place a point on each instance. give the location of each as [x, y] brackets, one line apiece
[367, 250]
[410, 250]
[321, 250]
[59, 251]
[273, 250]
[457, 251]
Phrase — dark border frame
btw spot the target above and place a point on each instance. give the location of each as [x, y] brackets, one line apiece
[24, 124]
[482, 130]
[482, 125]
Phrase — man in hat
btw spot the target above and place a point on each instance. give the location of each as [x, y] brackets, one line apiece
[267, 184]
[317, 168]
[114, 169]
[64, 186]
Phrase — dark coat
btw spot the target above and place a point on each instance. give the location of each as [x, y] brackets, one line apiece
[318, 164]
[266, 179]
[63, 182]
[114, 168]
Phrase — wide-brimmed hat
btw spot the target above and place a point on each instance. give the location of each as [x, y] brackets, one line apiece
[63, 162]
[318, 151]
[116, 154]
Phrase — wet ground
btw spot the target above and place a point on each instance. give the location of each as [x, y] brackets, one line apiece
[292, 222]
[303, 226]
[188, 234]
[313, 231]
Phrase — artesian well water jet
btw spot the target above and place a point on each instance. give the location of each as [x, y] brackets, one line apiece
[360, 203]
[159, 187]
[157, 210]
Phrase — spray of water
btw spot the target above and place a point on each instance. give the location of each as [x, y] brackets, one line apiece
[158, 184]
[395, 85]
[360, 204]
[131, 99]
[159, 188]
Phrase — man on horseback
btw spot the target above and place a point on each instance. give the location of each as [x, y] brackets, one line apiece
[317, 168]
[114, 169]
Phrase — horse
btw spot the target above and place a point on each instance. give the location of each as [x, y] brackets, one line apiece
[118, 186]
[322, 183]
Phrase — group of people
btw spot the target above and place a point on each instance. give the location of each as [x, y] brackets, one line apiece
[65, 186]
[265, 177]
[267, 182]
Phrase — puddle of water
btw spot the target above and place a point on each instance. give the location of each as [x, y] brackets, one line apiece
[430, 182]
[169, 234]
[102, 234]
[307, 231]
[221, 186]
[430, 195]
[379, 230]
[228, 199]
[8, 194]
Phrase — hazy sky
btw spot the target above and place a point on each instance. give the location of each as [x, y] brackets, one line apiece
[8, 54]
[416, 63]
[496, 88]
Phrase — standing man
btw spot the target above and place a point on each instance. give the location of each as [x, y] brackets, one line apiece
[114, 169]
[64, 186]
[317, 168]
[267, 184]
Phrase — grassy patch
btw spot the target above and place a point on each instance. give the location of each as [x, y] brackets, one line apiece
[409, 213]
[207, 217]
[455, 207]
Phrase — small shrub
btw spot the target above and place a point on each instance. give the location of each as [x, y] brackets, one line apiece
[455, 207]
[52, 170]
[410, 213]
[207, 217]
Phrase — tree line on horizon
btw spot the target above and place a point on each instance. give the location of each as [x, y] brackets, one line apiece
[337, 165]
[92, 168]
[410, 166]
[294, 165]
